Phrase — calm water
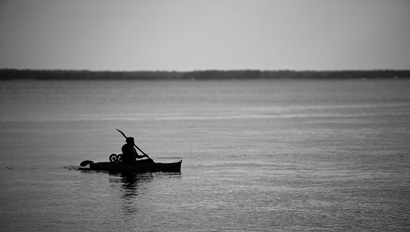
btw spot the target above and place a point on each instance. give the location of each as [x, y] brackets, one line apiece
[257, 155]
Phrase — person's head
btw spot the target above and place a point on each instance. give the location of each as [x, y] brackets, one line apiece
[130, 140]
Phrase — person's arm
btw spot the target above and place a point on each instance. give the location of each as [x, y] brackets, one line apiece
[145, 155]
[139, 156]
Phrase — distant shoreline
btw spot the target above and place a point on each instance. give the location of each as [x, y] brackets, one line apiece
[16, 74]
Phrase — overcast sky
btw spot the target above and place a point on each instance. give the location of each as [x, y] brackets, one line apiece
[186, 35]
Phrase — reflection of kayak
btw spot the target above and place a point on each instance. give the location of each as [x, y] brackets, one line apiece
[139, 166]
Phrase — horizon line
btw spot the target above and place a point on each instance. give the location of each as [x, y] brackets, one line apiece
[207, 70]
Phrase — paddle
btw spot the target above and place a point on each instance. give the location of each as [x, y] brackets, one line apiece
[134, 144]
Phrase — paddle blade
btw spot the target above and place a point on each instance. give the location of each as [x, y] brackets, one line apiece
[122, 133]
[86, 162]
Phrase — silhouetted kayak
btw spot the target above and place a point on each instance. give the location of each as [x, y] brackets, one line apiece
[139, 166]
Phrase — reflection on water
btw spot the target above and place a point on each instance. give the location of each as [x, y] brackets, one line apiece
[131, 182]
[131, 185]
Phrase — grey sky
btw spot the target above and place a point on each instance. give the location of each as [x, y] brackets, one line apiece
[209, 34]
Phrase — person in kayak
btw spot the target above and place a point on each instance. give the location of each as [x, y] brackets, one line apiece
[129, 154]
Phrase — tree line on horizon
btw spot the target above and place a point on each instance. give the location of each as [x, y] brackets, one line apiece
[11, 74]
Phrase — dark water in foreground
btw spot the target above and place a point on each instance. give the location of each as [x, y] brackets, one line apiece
[257, 155]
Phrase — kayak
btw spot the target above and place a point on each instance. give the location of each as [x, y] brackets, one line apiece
[139, 166]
